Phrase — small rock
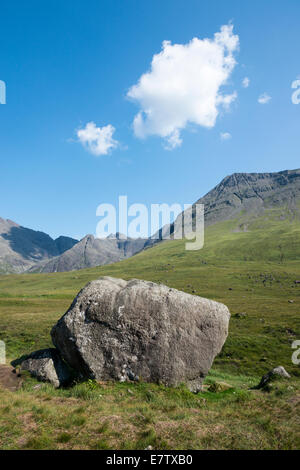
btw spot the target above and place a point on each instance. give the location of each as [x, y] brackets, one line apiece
[291, 301]
[149, 448]
[273, 374]
[37, 387]
[290, 332]
[240, 315]
[46, 365]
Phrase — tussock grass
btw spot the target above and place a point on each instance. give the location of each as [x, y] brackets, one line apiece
[237, 418]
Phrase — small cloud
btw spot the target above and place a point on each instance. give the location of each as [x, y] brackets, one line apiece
[173, 140]
[97, 140]
[185, 86]
[264, 98]
[246, 82]
[225, 136]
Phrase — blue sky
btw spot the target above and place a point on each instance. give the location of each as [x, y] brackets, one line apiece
[67, 63]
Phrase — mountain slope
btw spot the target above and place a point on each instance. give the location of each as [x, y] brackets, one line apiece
[244, 197]
[20, 247]
[64, 243]
[252, 193]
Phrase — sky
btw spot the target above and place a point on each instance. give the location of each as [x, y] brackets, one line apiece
[155, 100]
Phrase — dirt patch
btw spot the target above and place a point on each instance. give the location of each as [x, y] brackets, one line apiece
[28, 422]
[295, 400]
[9, 378]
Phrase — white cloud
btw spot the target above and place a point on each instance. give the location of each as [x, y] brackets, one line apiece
[225, 136]
[173, 140]
[184, 86]
[264, 98]
[246, 82]
[97, 140]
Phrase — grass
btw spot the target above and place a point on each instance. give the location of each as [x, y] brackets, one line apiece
[252, 272]
[134, 416]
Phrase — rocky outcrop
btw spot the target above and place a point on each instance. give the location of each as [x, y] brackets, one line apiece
[46, 365]
[119, 330]
[274, 374]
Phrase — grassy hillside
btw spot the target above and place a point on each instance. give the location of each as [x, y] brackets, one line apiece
[253, 272]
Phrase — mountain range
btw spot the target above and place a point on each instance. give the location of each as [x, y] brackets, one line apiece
[91, 251]
[241, 197]
[21, 248]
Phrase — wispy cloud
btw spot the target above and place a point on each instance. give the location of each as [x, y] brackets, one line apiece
[246, 82]
[184, 86]
[173, 140]
[97, 140]
[225, 136]
[264, 98]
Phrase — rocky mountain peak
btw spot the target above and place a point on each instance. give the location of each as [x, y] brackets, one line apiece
[251, 192]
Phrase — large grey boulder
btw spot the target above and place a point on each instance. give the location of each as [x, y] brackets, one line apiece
[140, 330]
[46, 365]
